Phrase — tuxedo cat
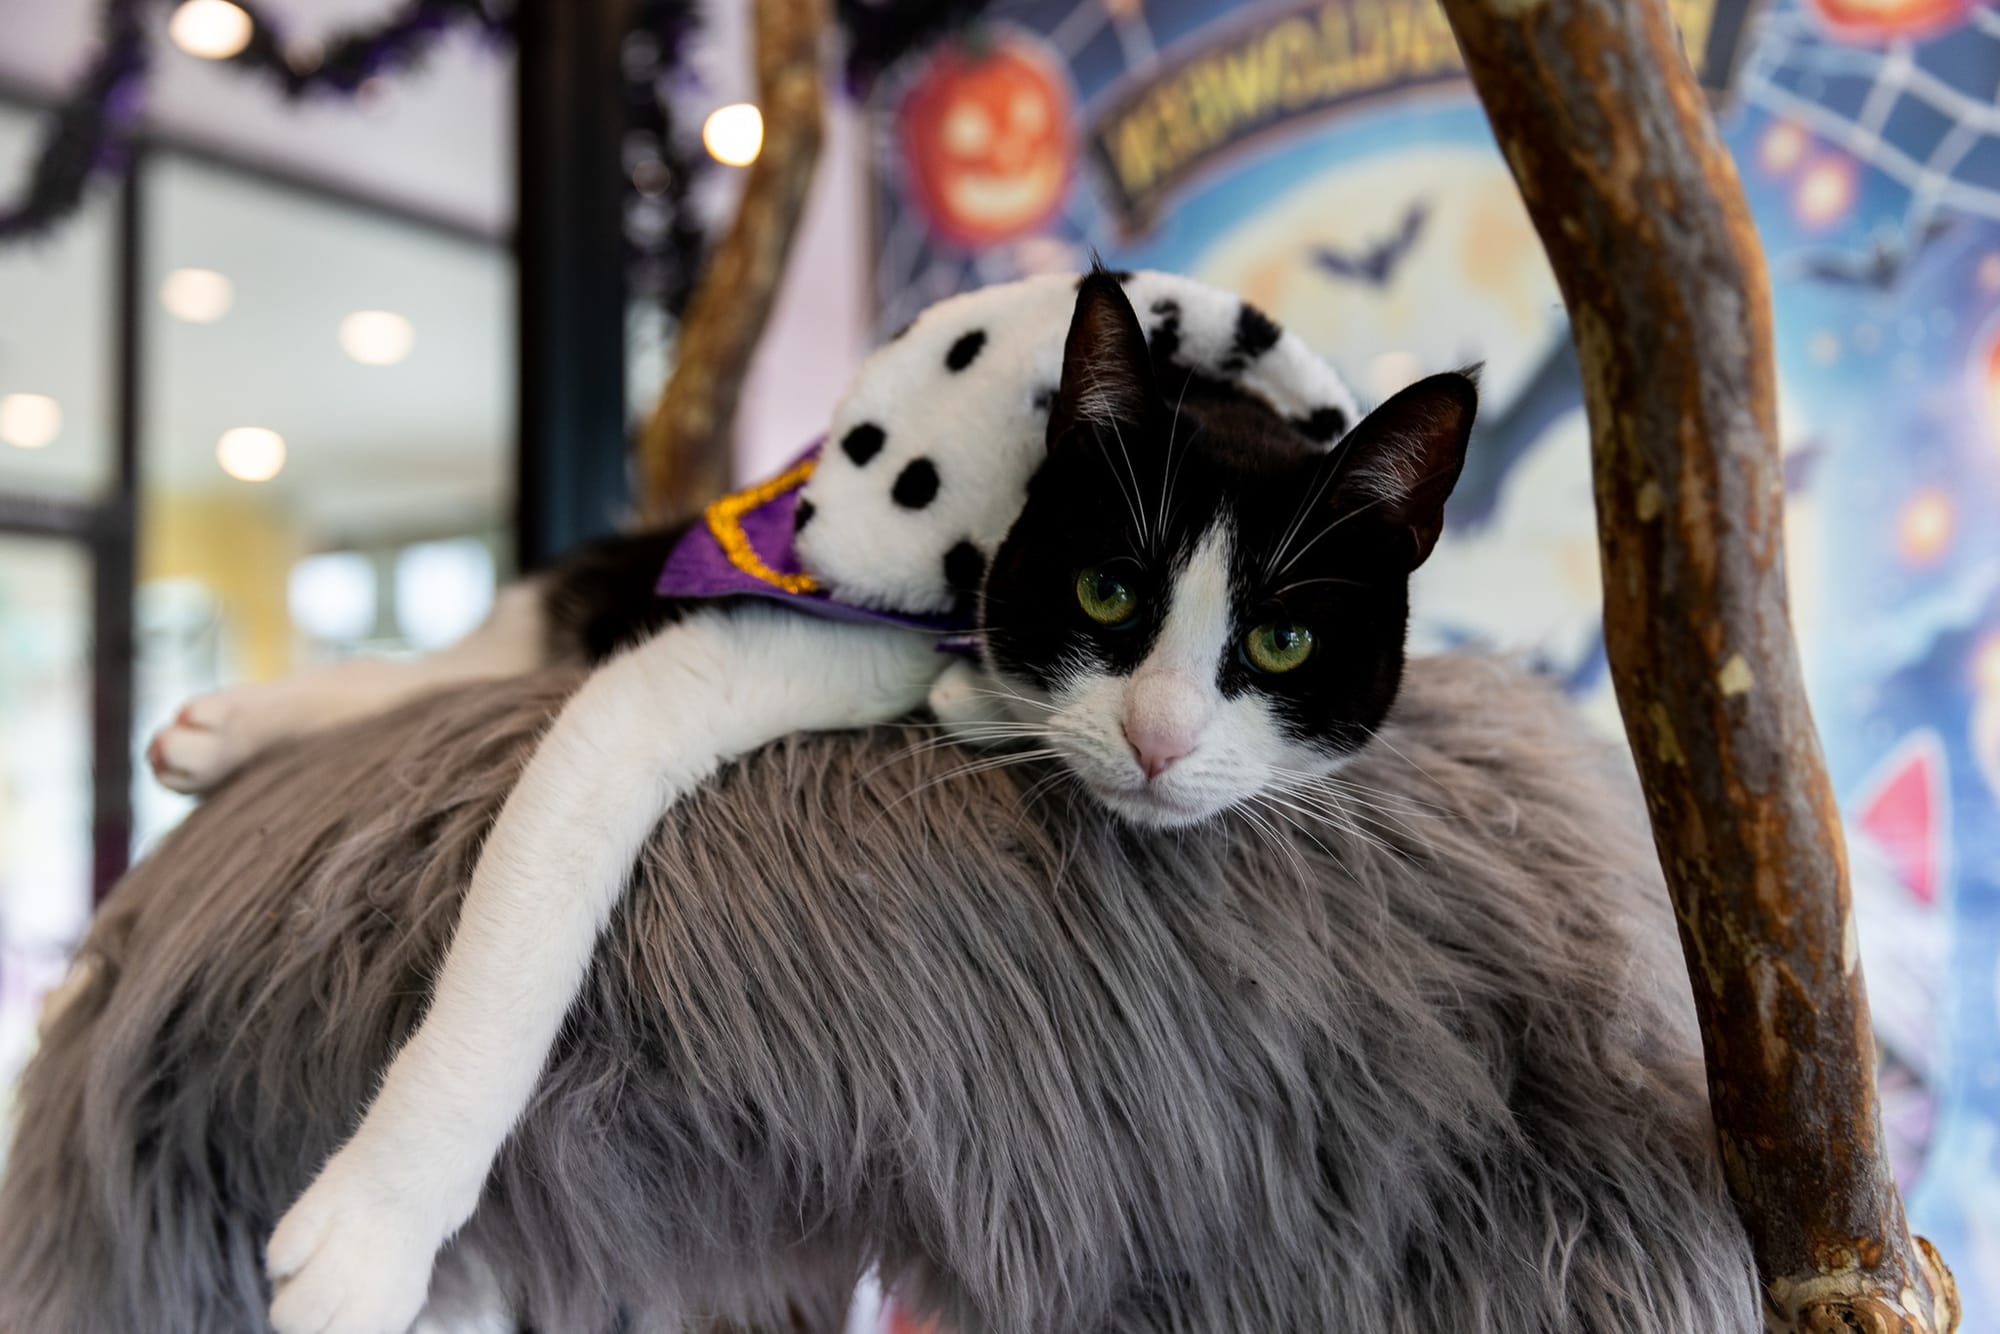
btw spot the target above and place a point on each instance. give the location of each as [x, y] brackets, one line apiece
[1197, 607]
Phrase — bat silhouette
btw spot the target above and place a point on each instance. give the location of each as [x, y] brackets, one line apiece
[1881, 266]
[1374, 265]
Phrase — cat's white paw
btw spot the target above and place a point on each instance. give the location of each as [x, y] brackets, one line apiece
[957, 696]
[971, 707]
[350, 1258]
[211, 738]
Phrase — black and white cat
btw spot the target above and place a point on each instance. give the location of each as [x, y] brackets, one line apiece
[1197, 606]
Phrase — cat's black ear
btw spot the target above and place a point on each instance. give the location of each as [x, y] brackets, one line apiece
[1107, 374]
[1401, 462]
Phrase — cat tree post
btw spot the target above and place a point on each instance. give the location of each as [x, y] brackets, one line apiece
[1640, 209]
[684, 457]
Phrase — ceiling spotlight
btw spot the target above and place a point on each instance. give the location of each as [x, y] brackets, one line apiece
[251, 453]
[30, 421]
[377, 337]
[199, 296]
[211, 29]
[734, 134]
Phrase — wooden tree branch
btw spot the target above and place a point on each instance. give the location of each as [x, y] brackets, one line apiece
[1645, 223]
[685, 454]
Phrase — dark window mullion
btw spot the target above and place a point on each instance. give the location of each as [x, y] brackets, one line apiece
[114, 552]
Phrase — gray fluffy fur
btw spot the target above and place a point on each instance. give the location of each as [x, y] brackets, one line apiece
[1054, 1076]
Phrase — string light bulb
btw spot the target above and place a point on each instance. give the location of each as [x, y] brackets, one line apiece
[210, 29]
[734, 135]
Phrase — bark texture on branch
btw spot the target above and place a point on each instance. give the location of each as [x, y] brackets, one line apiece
[1640, 209]
[685, 454]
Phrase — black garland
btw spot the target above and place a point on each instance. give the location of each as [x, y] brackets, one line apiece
[91, 133]
[350, 59]
[882, 32]
[661, 157]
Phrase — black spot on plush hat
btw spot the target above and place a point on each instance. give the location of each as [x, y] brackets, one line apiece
[943, 426]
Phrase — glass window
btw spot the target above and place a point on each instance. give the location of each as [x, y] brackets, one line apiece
[55, 342]
[328, 435]
[45, 600]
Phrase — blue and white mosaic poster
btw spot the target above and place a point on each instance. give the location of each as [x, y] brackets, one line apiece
[1329, 161]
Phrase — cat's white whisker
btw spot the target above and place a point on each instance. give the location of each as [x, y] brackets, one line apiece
[1391, 802]
[1327, 473]
[1138, 518]
[1348, 822]
[970, 769]
[1380, 736]
[1401, 492]
[1274, 837]
[1295, 823]
[1134, 502]
[1046, 783]
[1352, 799]
[960, 735]
[1016, 697]
[1356, 808]
[1308, 583]
[1171, 472]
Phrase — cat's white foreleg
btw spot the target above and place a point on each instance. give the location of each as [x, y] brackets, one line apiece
[353, 1256]
[215, 734]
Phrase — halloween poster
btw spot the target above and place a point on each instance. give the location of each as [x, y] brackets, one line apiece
[1329, 161]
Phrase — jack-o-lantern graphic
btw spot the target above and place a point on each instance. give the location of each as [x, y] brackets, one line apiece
[987, 140]
[1878, 20]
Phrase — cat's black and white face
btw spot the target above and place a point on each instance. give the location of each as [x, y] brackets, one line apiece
[1199, 606]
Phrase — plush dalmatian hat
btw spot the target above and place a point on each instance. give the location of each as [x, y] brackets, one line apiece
[928, 461]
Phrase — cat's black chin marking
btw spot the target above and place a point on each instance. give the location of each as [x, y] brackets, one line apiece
[1145, 459]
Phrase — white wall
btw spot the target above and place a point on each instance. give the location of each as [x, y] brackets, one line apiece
[819, 327]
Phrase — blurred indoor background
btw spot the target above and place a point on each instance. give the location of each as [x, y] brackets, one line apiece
[362, 301]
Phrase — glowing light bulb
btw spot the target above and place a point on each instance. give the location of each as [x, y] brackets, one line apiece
[1924, 526]
[1825, 193]
[1781, 147]
[211, 29]
[1986, 664]
[734, 134]
[377, 337]
[199, 296]
[30, 421]
[251, 453]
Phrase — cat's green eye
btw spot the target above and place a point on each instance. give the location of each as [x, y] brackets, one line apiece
[1105, 598]
[1278, 647]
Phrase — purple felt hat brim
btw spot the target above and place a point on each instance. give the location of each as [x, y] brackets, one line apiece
[700, 569]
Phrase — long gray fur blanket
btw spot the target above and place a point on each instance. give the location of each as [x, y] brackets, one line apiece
[1428, 1070]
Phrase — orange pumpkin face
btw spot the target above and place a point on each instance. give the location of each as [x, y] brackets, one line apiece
[987, 141]
[1877, 20]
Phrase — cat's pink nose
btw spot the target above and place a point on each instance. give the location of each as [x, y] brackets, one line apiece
[1157, 748]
